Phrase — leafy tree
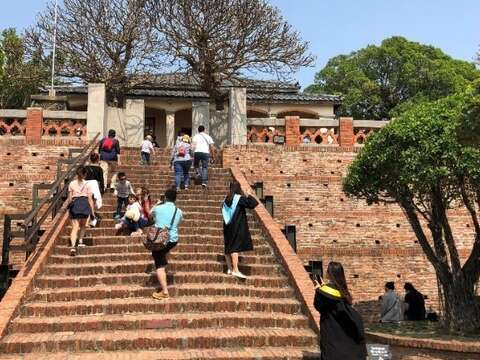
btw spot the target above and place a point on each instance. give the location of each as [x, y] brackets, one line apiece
[377, 81]
[418, 162]
[108, 41]
[220, 40]
[22, 73]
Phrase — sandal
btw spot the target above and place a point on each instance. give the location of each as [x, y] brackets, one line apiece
[73, 251]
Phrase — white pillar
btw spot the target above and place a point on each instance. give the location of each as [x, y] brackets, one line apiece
[170, 133]
[96, 110]
[237, 116]
[200, 116]
[134, 122]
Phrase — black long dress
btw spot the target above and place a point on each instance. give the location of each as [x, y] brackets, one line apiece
[236, 234]
[342, 334]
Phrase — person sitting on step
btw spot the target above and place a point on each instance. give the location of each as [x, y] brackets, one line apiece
[164, 215]
[143, 195]
[133, 219]
[236, 234]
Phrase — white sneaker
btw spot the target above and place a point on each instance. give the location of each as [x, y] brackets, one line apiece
[118, 226]
[229, 272]
[238, 275]
[81, 244]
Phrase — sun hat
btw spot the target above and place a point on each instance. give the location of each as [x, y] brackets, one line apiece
[186, 138]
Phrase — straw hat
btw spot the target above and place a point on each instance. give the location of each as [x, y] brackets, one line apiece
[186, 138]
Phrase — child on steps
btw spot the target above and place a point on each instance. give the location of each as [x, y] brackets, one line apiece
[133, 219]
[123, 188]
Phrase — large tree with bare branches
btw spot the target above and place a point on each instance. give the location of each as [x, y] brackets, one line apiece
[218, 40]
[109, 41]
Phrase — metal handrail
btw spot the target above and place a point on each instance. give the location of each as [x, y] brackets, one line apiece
[31, 224]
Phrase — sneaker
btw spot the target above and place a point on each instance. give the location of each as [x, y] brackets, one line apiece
[204, 185]
[160, 295]
[186, 187]
[81, 244]
[118, 226]
[229, 272]
[238, 275]
[178, 190]
[73, 251]
[117, 217]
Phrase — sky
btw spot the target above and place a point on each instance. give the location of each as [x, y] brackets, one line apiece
[337, 27]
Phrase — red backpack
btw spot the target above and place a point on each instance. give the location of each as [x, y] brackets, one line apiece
[107, 144]
[182, 150]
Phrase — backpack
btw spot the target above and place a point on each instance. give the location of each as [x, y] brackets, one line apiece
[156, 239]
[107, 144]
[181, 150]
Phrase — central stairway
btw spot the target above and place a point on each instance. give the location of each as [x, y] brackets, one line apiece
[98, 305]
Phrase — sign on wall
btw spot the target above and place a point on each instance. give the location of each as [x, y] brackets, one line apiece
[379, 352]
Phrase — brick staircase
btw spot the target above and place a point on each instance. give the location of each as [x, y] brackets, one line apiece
[98, 305]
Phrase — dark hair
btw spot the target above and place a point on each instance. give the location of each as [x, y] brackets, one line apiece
[111, 133]
[337, 277]
[171, 195]
[81, 172]
[181, 133]
[390, 285]
[409, 287]
[121, 175]
[235, 188]
[133, 196]
[94, 157]
[201, 128]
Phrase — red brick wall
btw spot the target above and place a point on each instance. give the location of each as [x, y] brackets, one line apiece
[375, 243]
[22, 166]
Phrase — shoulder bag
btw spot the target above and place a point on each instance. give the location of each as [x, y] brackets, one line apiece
[156, 239]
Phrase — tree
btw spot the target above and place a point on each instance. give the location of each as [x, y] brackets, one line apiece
[108, 41]
[418, 162]
[219, 40]
[21, 73]
[377, 81]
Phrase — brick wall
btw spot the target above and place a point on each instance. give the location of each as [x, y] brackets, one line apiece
[22, 166]
[375, 243]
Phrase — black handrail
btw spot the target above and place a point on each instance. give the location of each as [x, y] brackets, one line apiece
[31, 225]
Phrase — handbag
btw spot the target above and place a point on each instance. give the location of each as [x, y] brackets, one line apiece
[156, 239]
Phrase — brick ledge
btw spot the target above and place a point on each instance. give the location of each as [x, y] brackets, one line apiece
[291, 262]
[23, 284]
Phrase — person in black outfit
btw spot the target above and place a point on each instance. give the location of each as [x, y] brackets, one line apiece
[342, 335]
[414, 302]
[236, 234]
[95, 172]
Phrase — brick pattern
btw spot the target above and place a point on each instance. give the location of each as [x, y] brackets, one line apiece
[346, 137]
[34, 126]
[292, 130]
[100, 300]
[375, 243]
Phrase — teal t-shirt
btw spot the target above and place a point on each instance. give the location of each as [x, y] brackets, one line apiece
[162, 216]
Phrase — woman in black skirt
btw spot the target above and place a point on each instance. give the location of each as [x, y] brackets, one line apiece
[235, 227]
[341, 327]
[80, 205]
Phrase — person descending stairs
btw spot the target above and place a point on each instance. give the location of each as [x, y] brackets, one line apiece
[99, 305]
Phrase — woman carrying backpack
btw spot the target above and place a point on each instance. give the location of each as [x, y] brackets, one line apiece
[109, 149]
[341, 327]
[181, 162]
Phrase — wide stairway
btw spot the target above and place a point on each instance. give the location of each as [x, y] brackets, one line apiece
[98, 305]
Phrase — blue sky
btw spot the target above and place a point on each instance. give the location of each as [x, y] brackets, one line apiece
[335, 27]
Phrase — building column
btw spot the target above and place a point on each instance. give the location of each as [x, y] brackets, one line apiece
[96, 110]
[134, 122]
[200, 116]
[34, 126]
[292, 130]
[170, 128]
[237, 116]
[345, 132]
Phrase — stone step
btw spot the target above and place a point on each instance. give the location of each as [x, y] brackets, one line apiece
[174, 256]
[135, 290]
[120, 248]
[245, 353]
[211, 209]
[94, 238]
[150, 279]
[186, 223]
[203, 232]
[184, 304]
[158, 321]
[147, 266]
[160, 338]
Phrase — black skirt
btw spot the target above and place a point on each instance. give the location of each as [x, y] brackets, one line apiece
[80, 208]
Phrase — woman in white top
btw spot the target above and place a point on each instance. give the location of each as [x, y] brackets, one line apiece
[80, 205]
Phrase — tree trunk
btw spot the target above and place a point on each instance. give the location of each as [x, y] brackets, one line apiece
[462, 308]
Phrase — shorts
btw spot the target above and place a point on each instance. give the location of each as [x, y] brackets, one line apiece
[160, 257]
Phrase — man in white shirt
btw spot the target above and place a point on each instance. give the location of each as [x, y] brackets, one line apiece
[203, 148]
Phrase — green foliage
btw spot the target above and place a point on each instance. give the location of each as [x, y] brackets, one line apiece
[415, 153]
[377, 80]
[21, 73]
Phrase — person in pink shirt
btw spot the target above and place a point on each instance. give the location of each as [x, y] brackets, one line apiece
[80, 205]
